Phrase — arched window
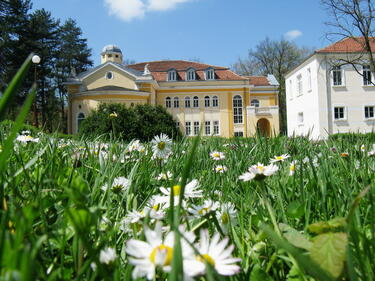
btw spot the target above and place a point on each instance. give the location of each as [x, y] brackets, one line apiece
[206, 101]
[237, 110]
[255, 103]
[187, 102]
[190, 74]
[195, 101]
[210, 74]
[168, 102]
[172, 75]
[80, 118]
[176, 102]
[215, 101]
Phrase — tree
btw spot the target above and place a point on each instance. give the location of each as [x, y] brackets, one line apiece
[275, 57]
[353, 19]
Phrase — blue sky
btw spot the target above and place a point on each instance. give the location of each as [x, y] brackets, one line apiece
[216, 32]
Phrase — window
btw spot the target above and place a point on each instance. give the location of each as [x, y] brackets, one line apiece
[172, 75]
[177, 124]
[367, 79]
[215, 101]
[176, 102]
[309, 81]
[168, 103]
[80, 118]
[196, 128]
[207, 128]
[195, 101]
[190, 74]
[109, 75]
[299, 85]
[210, 74]
[206, 101]
[237, 110]
[339, 113]
[300, 117]
[187, 102]
[216, 128]
[369, 112]
[188, 128]
[254, 102]
[290, 89]
[337, 76]
[238, 134]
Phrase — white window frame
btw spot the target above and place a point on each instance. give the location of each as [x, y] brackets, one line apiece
[341, 69]
[188, 128]
[191, 74]
[257, 103]
[237, 110]
[172, 75]
[207, 101]
[215, 101]
[168, 102]
[216, 128]
[196, 102]
[299, 85]
[176, 102]
[207, 128]
[309, 80]
[238, 133]
[367, 68]
[196, 127]
[187, 102]
[210, 74]
[345, 113]
[364, 112]
[177, 123]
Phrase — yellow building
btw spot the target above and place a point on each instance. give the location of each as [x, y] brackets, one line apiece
[195, 94]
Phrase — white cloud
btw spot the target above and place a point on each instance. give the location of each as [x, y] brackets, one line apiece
[293, 34]
[126, 9]
[131, 9]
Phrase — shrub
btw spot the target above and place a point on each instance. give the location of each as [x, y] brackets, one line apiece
[141, 122]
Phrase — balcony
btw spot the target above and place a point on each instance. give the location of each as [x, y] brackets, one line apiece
[263, 111]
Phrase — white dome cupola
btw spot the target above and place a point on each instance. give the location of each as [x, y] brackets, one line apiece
[111, 53]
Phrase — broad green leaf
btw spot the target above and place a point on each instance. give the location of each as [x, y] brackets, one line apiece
[329, 252]
[294, 237]
[295, 210]
[334, 225]
[258, 274]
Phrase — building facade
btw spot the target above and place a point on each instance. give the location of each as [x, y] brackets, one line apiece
[195, 94]
[326, 94]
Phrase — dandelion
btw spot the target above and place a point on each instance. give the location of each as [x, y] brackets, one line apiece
[118, 184]
[259, 172]
[280, 158]
[220, 169]
[202, 210]
[216, 253]
[161, 146]
[216, 155]
[107, 255]
[113, 115]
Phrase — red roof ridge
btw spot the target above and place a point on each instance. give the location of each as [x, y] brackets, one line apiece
[348, 44]
[203, 65]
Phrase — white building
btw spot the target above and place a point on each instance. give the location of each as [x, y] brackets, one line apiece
[326, 94]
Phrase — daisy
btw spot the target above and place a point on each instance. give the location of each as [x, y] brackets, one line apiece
[216, 155]
[363, 148]
[292, 168]
[26, 139]
[280, 158]
[259, 172]
[118, 184]
[155, 252]
[202, 210]
[216, 253]
[107, 255]
[161, 146]
[164, 176]
[220, 169]
[226, 215]
[191, 191]
[135, 146]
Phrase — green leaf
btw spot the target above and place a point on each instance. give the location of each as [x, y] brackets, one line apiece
[329, 252]
[258, 274]
[295, 210]
[334, 225]
[294, 237]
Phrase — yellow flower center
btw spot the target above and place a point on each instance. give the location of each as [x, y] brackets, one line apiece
[176, 190]
[117, 188]
[203, 211]
[166, 252]
[156, 207]
[161, 145]
[260, 169]
[292, 168]
[206, 258]
[216, 155]
[279, 158]
[225, 218]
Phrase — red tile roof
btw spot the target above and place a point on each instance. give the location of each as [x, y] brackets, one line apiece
[258, 80]
[348, 45]
[159, 70]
